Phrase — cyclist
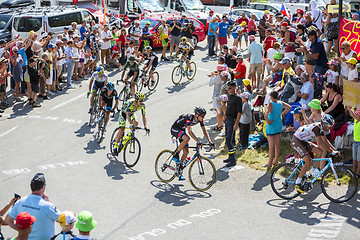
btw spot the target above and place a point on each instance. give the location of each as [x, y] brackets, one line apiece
[99, 78]
[106, 100]
[302, 145]
[127, 113]
[133, 65]
[178, 130]
[152, 62]
[187, 52]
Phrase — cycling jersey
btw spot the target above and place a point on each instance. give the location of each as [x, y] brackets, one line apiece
[134, 67]
[129, 106]
[186, 120]
[184, 47]
[108, 99]
[151, 57]
[95, 76]
[309, 132]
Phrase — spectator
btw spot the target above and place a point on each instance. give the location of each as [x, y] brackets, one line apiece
[235, 33]
[208, 21]
[357, 9]
[105, 45]
[224, 30]
[121, 43]
[316, 14]
[300, 17]
[175, 35]
[66, 33]
[24, 224]
[164, 38]
[44, 68]
[5, 46]
[316, 112]
[213, 28]
[289, 35]
[334, 102]
[273, 118]
[49, 80]
[70, 61]
[60, 62]
[244, 32]
[92, 42]
[73, 28]
[309, 25]
[135, 33]
[215, 80]
[273, 57]
[332, 29]
[346, 54]
[182, 20]
[115, 36]
[239, 72]
[67, 221]
[3, 211]
[23, 46]
[356, 145]
[252, 28]
[332, 74]
[255, 57]
[245, 120]
[233, 114]
[262, 26]
[268, 43]
[38, 205]
[353, 72]
[306, 92]
[188, 31]
[85, 223]
[298, 120]
[84, 31]
[3, 75]
[17, 72]
[34, 74]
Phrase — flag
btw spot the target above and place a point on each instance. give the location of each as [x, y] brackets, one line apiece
[103, 3]
[350, 31]
[231, 9]
[284, 11]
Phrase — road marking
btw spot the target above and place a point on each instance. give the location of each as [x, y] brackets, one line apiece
[66, 102]
[67, 120]
[203, 69]
[328, 228]
[8, 131]
[230, 169]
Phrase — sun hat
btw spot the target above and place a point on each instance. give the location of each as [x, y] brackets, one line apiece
[85, 222]
[221, 67]
[24, 220]
[352, 61]
[245, 95]
[277, 56]
[246, 82]
[315, 104]
[296, 110]
[67, 218]
[224, 98]
[252, 37]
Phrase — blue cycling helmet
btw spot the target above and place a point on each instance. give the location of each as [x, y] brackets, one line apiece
[100, 70]
[110, 86]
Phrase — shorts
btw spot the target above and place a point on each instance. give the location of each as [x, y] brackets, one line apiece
[153, 66]
[49, 80]
[222, 40]
[234, 35]
[175, 40]
[216, 103]
[82, 60]
[178, 133]
[2, 88]
[252, 32]
[301, 147]
[108, 102]
[122, 119]
[255, 68]
[131, 73]
[245, 35]
[105, 53]
[35, 87]
[356, 151]
[96, 86]
[190, 54]
[165, 42]
[59, 70]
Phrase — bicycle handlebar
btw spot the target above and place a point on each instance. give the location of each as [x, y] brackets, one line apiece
[203, 144]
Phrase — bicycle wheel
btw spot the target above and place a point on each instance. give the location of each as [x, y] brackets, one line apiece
[342, 191]
[140, 83]
[176, 75]
[152, 85]
[164, 166]
[202, 173]
[283, 179]
[112, 140]
[122, 96]
[132, 152]
[100, 133]
[193, 73]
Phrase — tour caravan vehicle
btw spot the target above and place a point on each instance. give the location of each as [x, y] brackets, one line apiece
[195, 8]
[48, 19]
[6, 17]
[224, 6]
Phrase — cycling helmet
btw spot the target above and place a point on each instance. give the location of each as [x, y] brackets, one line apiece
[183, 39]
[328, 120]
[277, 56]
[139, 95]
[110, 86]
[148, 48]
[199, 110]
[132, 58]
[100, 70]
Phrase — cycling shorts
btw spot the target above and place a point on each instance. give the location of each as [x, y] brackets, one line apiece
[131, 73]
[301, 147]
[97, 86]
[189, 56]
[153, 66]
[178, 133]
[108, 102]
[122, 119]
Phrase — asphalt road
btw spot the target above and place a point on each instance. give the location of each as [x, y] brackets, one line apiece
[132, 203]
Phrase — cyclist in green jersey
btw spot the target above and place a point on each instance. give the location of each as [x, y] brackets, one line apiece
[133, 65]
[127, 113]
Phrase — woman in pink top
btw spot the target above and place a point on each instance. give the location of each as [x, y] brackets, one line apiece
[252, 28]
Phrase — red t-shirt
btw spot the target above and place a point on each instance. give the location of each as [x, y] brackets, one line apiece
[240, 67]
[269, 42]
[241, 19]
[122, 40]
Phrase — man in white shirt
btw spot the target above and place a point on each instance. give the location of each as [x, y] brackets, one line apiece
[106, 37]
[306, 92]
[316, 14]
[135, 33]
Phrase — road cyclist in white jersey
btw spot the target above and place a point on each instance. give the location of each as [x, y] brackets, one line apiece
[301, 143]
[97, 82]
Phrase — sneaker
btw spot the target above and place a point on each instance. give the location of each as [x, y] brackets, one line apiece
[231, 163]
[300, 188]
[116, 149]
[35, 104]
[176, 160]
[50, 93]
[223, 134]
[46, 98]
[18, 100]
[70, 87]
[226, 160]
[40, 95]
[181, 178]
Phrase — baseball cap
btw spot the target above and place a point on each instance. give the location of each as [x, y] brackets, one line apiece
[19, 43]
[300, 11]
[234, 49]
[14, 48]
[24, 220]
[246, 82]
[239, 56]
[2, 41]
[245, 95]
[284, 24]
[85, 222]
[67, 218]
[231, 84]
[279, 15]
[302, 67]
[251, 37]
[38, 181]
[32, 32]
[221, 67]
[224, 98]
[66, 27]
[352, 61]
[106, 26]
[333, 62]
[267, 11]
[183, 15]
[224, 74]
[76, 36]
[243, 23]
[315, 104]
[285, 60]
[211, 11]
[50, 45]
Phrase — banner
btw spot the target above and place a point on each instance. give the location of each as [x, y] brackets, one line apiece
[352, 93]
[350, 31]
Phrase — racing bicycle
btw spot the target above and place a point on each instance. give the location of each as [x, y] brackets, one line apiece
[94, 109]
[145, 81]
[202, 172]
[101, 116]
[338, 183]
[181, 71]
[129, 145]
[125, 93]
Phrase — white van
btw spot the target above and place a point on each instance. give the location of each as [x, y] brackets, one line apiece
[48, 19]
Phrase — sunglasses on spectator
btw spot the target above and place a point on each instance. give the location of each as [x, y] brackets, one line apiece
[342, 48]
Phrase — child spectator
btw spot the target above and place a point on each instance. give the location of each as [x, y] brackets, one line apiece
[245, 120]
[298, 120]
[353, 72]
[24, 222]
[67, 221]
[356, 145]
[332, 74]
[34, 74]
[315, 108]
[85, 223]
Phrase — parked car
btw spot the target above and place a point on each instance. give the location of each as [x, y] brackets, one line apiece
[198, 36]
[16, 3]
[6, 17]
[236, 13]
[271, 7]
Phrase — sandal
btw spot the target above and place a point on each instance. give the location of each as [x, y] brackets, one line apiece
[217, 128]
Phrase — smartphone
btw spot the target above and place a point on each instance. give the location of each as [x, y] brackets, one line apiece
[17, 196]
